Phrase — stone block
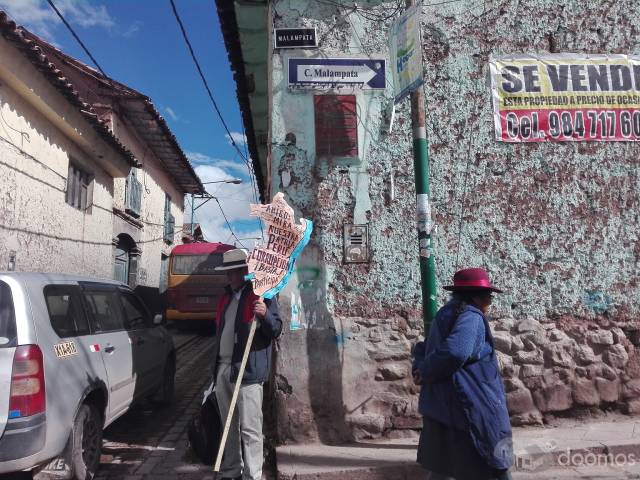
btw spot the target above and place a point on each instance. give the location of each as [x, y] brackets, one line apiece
[534, 357]
[601, 337]
[534, 383]
[538, 338]
[407, 422]
[369, 423]
[585, 393]
[503, 324]
[584, 355]
[609, 390]
[616, 356]
[631, 389]
[532, 371]
[558, 356]
[558, 336]
[516, 344]
[502, 341]
[513, 384]
[520, 401]
[529, 418]
[554, 398]
[632, 407]
[394, 371]
[528, 325]
[618, 335]
[607, 372]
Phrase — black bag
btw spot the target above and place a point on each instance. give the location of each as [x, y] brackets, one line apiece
[205, 431]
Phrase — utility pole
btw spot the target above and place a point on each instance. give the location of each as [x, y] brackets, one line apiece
[423, 204]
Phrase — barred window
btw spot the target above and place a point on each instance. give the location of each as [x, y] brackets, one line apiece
[79, 188]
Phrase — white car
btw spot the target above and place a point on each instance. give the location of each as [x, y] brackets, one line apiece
[74, 354]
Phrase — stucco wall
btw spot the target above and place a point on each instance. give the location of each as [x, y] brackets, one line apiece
[555, 224]
[35, 221]
[155, 182]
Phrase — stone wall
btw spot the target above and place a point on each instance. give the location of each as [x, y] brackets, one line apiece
[556, 225]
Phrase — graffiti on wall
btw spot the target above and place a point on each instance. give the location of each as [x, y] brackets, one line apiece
[598, 301]
[309, 306]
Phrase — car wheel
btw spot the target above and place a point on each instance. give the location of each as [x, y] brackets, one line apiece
[87, 443]
[165, 394]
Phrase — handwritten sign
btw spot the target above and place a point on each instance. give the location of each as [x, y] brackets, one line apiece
[270, 265]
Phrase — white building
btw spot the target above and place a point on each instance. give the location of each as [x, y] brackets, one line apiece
[92, 181]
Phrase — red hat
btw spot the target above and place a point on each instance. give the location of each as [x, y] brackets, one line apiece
[471, 279]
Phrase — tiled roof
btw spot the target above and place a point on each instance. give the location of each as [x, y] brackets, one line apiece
[16, 35]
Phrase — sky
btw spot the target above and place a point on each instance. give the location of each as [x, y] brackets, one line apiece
[138, 43]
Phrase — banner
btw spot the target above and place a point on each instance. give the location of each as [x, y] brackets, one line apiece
[406, 53]
[566, 97]
[271, 265]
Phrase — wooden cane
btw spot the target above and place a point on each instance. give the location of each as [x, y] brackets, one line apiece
[236, 391]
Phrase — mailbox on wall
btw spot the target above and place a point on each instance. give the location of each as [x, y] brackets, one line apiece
[356, 244]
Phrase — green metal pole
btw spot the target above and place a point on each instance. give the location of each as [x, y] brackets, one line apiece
[423, 206]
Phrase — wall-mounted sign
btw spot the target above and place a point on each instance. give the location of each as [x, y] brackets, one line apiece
[566, 97]
[336, 125]
[295, 38]
[356, 244]
[406, 53]
[326, 73]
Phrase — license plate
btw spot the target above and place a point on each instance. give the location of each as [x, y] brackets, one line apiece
[202, 299]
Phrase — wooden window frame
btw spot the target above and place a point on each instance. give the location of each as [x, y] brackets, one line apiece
[79, 191]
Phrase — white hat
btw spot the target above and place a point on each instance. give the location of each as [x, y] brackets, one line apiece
[232, 259]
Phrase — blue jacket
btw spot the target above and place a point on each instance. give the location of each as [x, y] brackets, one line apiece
[454, 339]
[259, 361]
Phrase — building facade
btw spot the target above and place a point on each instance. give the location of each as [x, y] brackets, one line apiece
[555, 224]
[95, 180]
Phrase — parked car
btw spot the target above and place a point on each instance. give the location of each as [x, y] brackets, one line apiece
[74, 354]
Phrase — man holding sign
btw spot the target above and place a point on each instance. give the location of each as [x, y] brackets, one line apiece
[243, 353]
[237, 309]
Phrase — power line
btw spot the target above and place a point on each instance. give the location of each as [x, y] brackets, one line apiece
[204, 80]
[86, 50]
[228, 224]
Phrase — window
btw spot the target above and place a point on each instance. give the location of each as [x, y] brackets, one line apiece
[104, 309]
[169, 220]
[135, 314]
[133, 194]
[79, 188]
[66, 312]
[196, 264]
[8, 335]
[336, 124]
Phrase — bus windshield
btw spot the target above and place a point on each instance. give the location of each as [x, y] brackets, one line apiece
[197, 264]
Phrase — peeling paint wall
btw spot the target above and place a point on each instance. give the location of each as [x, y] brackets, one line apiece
[36, 223]
[555, 224]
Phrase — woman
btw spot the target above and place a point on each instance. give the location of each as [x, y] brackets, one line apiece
[466, 433]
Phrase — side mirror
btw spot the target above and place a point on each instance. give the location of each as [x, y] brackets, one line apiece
[157, 320]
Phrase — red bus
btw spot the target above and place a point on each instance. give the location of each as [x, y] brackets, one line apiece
[193, 284]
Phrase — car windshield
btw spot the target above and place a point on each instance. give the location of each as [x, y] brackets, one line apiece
[8, 336]
[197, 264]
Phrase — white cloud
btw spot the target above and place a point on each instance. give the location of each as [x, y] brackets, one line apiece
[234, 200]
[133, 29]
[171, 113]
[39, 17]
[237, 137]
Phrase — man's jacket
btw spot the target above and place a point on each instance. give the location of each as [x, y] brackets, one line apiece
[259, 361]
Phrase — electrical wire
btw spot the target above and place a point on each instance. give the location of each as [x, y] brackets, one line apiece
[86, 50]
[228, 224]
[202, 77]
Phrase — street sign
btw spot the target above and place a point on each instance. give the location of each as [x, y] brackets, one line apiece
[326, 73]
[295, 38]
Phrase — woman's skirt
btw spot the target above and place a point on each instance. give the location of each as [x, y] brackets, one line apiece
[450, 452]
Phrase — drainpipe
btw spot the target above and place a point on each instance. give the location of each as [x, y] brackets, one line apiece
[423, 205]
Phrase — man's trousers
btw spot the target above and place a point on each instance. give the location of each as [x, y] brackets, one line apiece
[243, 452]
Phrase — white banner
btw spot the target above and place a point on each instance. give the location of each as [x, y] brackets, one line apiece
[405, 46]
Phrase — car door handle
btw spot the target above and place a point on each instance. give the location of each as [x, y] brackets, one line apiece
[109, 349]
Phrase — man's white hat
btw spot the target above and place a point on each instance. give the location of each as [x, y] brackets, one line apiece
[232, 259]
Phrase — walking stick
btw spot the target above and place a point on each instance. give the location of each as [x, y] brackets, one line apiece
[234, 398]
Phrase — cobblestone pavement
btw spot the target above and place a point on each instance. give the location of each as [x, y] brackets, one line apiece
[150, 442]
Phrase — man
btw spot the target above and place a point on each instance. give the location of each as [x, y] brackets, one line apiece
[237, 308]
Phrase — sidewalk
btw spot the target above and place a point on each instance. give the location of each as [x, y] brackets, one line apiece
[603, 449]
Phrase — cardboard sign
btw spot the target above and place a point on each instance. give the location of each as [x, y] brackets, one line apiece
[406, 52]
[270, 265]
[566, 97]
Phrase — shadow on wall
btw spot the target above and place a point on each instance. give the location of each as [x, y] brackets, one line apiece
[323, 350]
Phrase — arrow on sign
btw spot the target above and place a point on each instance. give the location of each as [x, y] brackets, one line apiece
[332, 72]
